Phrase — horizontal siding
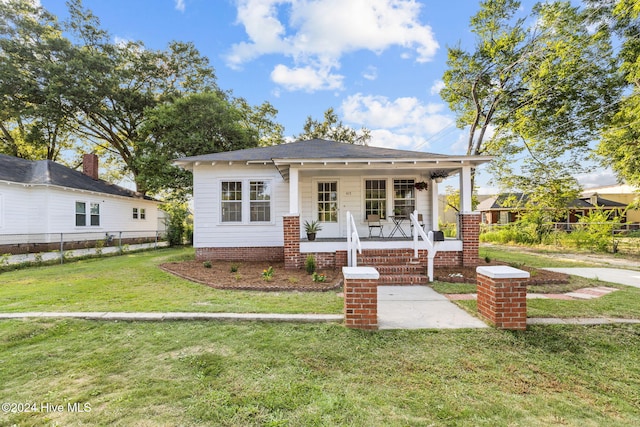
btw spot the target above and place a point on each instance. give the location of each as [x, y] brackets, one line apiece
[208, 229]
[210, 232]
[39, 210]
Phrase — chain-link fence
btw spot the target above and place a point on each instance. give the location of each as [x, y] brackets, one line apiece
[17, 248]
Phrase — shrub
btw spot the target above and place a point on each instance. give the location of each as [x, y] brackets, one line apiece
[318, 277]
[234, 268]
[207, 264]
[310, 264]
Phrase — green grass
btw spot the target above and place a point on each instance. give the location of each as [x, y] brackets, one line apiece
[244, 374]
[133, 282]
[513, 255]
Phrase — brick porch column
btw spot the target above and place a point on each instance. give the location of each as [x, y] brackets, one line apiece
[360, 297]
[502, 296]
[291, 230]
[470, 233]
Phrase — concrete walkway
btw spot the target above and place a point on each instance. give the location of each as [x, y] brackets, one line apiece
[420, 307]
[612, 275]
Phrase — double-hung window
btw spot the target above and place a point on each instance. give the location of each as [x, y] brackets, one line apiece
[260, 201]
[375, 198]
[93, 214]
[404, 196]
[245, 201]
[231, 201]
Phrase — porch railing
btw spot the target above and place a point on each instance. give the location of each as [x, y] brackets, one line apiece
[430, 245]
[353, 242]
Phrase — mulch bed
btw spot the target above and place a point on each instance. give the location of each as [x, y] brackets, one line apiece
[468, 275]
[248, 276]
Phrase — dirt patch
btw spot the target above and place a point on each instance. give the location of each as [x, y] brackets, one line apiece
[468, 275]
[249, 276]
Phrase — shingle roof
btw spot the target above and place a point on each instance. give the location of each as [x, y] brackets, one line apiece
[313, 149]
[513, 201]
[47, 172]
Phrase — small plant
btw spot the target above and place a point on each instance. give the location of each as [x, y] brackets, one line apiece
[487, 259]
[267, 274]
[310, 264]
[99, 246]
[235, 268]
[312, 227]
[238, 277]
[207, 264]
[4, 259]
[37, 258]
[318, 277]
[293, 280]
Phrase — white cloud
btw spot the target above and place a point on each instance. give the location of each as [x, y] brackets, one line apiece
[437, 86]
[406, 114]
[180, 5]
[404, 123]
[597, 178]
[314, 33]
[371, 73]
[305, 78]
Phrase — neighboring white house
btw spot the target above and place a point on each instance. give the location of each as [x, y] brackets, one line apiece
[252, 204]
[41, 199]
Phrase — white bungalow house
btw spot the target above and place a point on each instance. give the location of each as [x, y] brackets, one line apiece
[43, 202]
[252, 204]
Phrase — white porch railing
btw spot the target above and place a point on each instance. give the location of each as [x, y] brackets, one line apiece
[353, 242]
[431, 247]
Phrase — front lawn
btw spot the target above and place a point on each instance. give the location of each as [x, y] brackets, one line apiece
[244, 374]
[134, 282]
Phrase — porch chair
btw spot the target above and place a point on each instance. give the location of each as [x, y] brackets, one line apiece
[374, 222]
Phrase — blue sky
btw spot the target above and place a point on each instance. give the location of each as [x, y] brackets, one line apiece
[378, 63]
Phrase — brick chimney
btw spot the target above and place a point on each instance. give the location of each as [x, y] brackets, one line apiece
[90, 165]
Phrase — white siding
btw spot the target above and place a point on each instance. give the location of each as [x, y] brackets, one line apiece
[43, 210]
[351, 197]
[209, 231]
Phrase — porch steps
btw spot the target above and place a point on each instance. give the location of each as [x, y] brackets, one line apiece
[398, 268]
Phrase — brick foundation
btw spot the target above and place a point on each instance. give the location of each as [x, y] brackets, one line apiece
[361, 297]
[291, 230]
[470, 234]
[267, 253]
[502, 296]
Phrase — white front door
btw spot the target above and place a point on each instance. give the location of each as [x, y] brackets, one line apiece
[327, 208]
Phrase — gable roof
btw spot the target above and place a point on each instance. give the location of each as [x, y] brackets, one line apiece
[47, 172]
[322, 150]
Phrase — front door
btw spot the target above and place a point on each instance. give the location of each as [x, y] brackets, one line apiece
[327, 208]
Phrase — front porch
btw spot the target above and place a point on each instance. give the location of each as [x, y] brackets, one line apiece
[405, 260]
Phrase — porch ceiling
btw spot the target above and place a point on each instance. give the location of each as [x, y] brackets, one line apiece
[450, 165]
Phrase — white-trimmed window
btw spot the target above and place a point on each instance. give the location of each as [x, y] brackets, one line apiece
[375, 197]
[139, 213]
[93, 214]
[260, 201]
[404, 196]
[231, 196]
[246, 201]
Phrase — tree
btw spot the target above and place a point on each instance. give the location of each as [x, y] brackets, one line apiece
[620, 143]
[191, 125]
[533, 89]
[261, 118]
[35, 118]
[333, 129]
